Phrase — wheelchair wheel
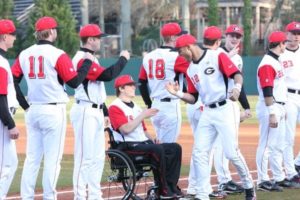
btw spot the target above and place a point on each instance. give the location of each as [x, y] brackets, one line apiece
[118, 169]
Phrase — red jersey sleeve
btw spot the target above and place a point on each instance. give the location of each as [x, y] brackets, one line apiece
[266, 75]
[3, 81]
[94, 72]
[181, 65]
[16, 68]
[117, 117]
[143, 73]
[190, 86]
[226, 66]
[64, 68]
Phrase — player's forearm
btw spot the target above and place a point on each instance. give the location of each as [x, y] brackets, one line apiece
[238, 79]
[145, 92]
[5, 116]
[130, 126]
[113, 71]
[269, 101]
[81, 74]
[20, 96]
[187, 97]
[243, 99]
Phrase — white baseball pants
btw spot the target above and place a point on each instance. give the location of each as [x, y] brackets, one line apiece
[46, 130]
[292, 113]
[8, 160]
[211, 124]
[271, 143]
[167, 122]
[89, 153]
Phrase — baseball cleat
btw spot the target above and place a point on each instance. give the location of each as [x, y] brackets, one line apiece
[297, 167]
[250, 194]
[218, 195]
[231, 187]
[290, 184]
[268, 186]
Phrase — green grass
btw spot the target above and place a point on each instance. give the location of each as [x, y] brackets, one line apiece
[65, 178]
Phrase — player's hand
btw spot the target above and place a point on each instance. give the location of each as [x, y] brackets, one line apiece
[273, 121]
[106, 122]
[126, 54]
[234, 51]
[234, 94]
[172, 87]
[89, 56]
[150, 112]
[14, 133]
[248, 113]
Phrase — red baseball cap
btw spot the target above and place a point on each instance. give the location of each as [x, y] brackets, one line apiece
[293, 27]
[212, 33]
[124, 80]
[170, 29]
[234, 29]
[91, 30]
[7, 26]
[185, 40]
[277, 36]
[45, 23]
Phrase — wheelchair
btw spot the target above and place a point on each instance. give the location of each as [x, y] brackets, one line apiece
[125, 176]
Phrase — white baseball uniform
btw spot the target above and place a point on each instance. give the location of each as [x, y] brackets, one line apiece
[161, 66]
[290, 60]
[206, 77]
[271, 141]
[88, 124]
[45, 68]
[8, 154]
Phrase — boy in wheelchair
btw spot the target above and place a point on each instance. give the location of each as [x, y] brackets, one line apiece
[127, 120]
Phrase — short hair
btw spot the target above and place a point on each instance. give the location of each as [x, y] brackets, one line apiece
[84, 40]
[273, 45]
[209, 42]
[42, 35]
[167, 39]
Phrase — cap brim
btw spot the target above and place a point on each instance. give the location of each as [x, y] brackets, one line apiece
[295, 31]
[182, 33]
[102, 35]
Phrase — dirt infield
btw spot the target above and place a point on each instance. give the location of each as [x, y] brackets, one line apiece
[248, 139]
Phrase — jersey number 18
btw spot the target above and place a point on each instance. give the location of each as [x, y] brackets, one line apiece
[159, 69]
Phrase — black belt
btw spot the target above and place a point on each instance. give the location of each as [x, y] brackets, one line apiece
[218, 104]
[92, 104]
[294, 91]
[52, 103]
[281, 103]
[166, 99]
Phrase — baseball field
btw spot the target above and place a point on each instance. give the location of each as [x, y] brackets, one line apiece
[248, 139]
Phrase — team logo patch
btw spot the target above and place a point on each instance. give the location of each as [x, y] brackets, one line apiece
[236, 29]
[297, 25]
[209, 71]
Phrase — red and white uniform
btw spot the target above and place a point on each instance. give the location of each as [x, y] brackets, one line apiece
[42, 65]
[125, 115]
[160, 67]
[88, 124]
[270, 73]
[207, 78]
[290, 60]
[8, 154]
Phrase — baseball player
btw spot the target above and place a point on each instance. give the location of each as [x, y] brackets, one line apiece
[159, 67]
[127, 120]
[8, 104]
[87, 115]
[290, 60]
[271, 114]
[234, 34]
[45, 69]
[206, 77]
